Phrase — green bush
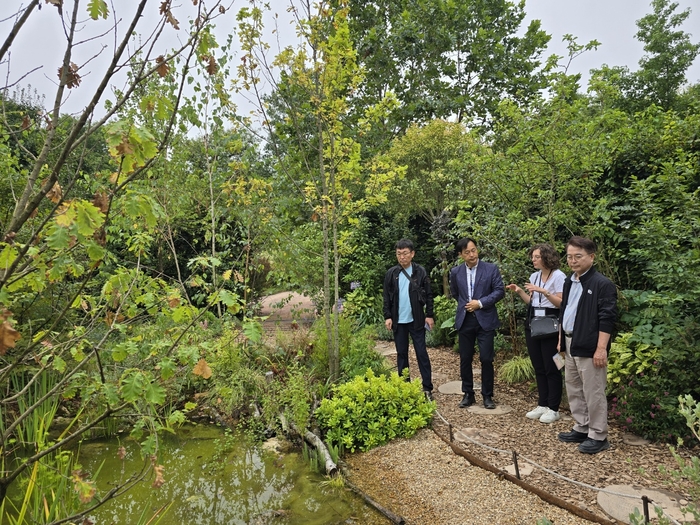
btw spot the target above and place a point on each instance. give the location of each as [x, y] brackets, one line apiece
[362, 356]
[517, 369]
[371, 410]
[653, 363]
[629, 359]
[364, 309]
[444, 309]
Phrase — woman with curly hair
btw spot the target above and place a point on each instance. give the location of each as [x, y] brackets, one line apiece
[543, 294]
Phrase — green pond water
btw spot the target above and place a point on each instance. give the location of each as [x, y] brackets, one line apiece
[245, 485]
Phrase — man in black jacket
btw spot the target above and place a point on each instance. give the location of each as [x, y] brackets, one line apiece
[587, 319]
[408, 309]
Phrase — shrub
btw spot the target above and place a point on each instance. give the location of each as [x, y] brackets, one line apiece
[362, 356]
[517, 369]
[443, 334]
[371, 410]
[645, 400]
[364, 309]
[629, 359]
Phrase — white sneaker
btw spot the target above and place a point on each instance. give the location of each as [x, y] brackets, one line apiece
[550, 416]
[536, 413]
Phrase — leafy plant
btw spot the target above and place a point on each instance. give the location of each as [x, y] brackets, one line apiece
[517, 369]
[443, 333]
[371, 410]
[364, 309]
[362, 356]
[628, 358]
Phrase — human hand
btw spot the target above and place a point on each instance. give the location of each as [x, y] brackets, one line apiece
[472, 305]
[532, 288]
[513, 288]
[431, 322]
[600, 358]
[387, 323]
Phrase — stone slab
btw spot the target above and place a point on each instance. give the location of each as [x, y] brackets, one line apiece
[524, 468]
[388, 350]
[620, 507]
[632, 439]
[498, 411]
[455, 387]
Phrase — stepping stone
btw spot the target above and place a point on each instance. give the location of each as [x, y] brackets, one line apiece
[385, 348]
[498, 411]
[620, 507]
[632, 439]
[439, 378]
[487, 437]
[524, 468]
[455, 387]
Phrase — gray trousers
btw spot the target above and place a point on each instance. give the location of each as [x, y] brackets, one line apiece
[585, 388]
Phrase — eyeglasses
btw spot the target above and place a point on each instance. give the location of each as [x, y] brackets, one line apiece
[576, 256]
[403, 254]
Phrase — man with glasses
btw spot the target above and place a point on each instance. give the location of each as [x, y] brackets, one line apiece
[477, 285]
[588, 314]
[408, 310]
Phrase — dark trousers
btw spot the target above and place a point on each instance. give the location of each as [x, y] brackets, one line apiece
[548, 376]
[469, 333]
[418, 336]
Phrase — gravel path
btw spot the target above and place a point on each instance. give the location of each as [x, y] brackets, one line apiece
[424, 481]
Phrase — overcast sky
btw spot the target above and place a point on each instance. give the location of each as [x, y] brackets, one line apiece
[611, 22]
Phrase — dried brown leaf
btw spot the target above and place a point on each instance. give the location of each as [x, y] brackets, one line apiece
[202, 369]
[55, 194]
[163, 68]
[159, 480]
[8, 337]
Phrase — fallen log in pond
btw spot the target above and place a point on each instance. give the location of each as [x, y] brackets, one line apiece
[398, 520]
[316, 442]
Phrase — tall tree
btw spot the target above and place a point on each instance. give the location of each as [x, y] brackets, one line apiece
[445, 58]
[662, 70]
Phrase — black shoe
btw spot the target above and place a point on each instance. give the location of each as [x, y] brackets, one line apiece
[467, 401]
[572, 437]
[593, 446]
[428, 395]
[488, 402]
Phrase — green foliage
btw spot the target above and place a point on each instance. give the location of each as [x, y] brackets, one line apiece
[517, 369]
[361, 357]
[628, 359]
[364, 309]
[443, 333]
[688, 469]
[371, 410]
[662, 348]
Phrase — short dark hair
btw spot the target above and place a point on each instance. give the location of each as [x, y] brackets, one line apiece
[405, 243]
[584, 243]
[463, 243]
[550, 257]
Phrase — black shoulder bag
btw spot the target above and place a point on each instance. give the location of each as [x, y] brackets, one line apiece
[545, 326]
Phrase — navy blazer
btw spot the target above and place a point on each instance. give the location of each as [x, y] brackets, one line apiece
[488, 288]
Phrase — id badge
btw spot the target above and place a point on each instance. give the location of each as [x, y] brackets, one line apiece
[540, 312]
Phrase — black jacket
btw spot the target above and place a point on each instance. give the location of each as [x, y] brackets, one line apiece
[419, 293]
[597, 312]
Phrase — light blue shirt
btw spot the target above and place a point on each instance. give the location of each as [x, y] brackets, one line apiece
[405, 311]
[572, 304]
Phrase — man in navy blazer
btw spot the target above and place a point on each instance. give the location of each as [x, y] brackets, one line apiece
[477, 285]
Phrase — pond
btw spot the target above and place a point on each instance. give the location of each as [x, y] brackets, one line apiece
[212, 479]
